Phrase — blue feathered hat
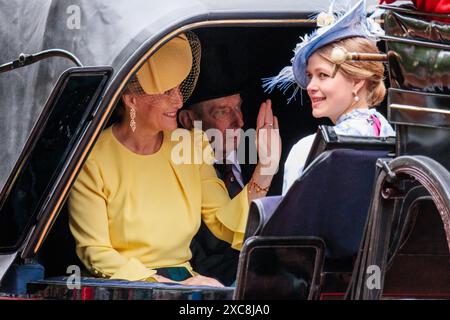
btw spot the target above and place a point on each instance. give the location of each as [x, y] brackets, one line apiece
[332, 27]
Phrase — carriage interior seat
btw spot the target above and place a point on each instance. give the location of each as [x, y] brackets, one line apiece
[330, 200]
[261, 210]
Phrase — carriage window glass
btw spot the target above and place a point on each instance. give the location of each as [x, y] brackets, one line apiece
[46, 153]
[287, 270]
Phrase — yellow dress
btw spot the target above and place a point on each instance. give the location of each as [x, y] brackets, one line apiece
[131, 213]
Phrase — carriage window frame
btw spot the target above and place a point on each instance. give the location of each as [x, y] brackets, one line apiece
[48, 151]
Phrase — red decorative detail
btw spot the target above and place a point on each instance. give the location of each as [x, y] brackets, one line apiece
[431, 6]
[87, 293]
[376, 125]
[434, 6]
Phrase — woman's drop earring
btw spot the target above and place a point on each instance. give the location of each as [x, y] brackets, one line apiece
[356, 98]
[132, 119]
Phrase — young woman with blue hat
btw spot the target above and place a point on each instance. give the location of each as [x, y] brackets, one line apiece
[341, 89]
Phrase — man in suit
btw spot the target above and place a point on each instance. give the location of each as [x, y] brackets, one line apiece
[213, 257]
[216, 102]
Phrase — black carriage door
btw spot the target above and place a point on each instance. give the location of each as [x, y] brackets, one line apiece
[33, 193]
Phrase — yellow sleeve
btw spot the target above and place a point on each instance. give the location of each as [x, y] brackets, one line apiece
[225, 217]
[88, 220]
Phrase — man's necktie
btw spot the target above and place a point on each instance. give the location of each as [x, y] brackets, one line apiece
[226, 173]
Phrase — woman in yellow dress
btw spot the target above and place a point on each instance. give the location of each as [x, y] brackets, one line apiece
[135, 208]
